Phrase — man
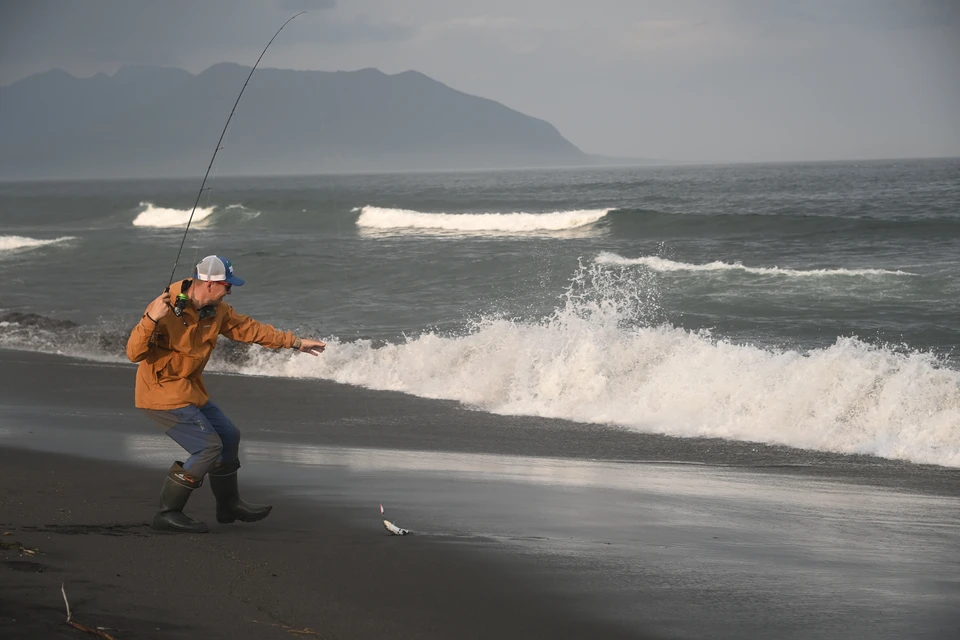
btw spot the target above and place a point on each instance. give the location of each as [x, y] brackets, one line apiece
[172, 352]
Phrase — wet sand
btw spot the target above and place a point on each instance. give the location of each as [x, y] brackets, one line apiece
[302, 568]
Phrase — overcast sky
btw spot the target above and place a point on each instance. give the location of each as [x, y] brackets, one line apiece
[708, 80]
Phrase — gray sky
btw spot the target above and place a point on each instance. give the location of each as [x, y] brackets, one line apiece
[707, 80]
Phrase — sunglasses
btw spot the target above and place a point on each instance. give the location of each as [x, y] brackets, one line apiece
[223, 283]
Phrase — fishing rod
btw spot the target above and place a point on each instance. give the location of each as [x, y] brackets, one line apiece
[181, 302]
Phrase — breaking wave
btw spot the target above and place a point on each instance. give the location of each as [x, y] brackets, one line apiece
[162, 217]
[605, 355]
[403, 219]
[592, 362]
[17, 243]
[664, 265]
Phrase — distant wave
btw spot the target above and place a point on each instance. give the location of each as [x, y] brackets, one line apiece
[13, 243]
[663, 265]
[162, 217]
[383, 218]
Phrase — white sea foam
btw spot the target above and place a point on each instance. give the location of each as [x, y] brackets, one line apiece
[592, 362]
[15, 243]
[664, 265]
[602, 358]
[399, 219]
[162, 217]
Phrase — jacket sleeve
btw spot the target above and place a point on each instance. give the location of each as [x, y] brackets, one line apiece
[138, 344]
[245, 329]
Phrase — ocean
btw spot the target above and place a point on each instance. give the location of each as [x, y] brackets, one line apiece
[810, 305]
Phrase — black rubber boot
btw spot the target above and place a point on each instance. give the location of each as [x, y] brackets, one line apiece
[230, 507]
[173, 497]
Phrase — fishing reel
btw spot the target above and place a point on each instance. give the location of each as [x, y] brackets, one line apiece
[181, 301]
[180, 304]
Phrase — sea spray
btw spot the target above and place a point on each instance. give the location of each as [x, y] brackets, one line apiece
[599, 359]
[850, 397]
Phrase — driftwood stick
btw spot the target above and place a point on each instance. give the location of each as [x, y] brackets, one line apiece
[67, 604]
[94, 632]
[77, 625]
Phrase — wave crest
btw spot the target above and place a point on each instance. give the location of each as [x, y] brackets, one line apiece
[163, 217]
[380, 218]
[14, 243]
[656, 263]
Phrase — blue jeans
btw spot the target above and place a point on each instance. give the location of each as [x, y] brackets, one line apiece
[206, 433]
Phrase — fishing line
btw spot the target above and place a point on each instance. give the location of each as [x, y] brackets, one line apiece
[206, 205]
[217, 150]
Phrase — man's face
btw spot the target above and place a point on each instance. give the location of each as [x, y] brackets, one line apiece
[211, 293]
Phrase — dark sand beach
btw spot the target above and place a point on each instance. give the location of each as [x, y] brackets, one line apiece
[523, 527]
[304, 569]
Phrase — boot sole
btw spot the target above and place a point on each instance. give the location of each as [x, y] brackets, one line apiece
[229, 519]
[163, 525]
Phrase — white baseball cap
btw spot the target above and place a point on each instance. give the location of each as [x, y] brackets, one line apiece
[216, 269]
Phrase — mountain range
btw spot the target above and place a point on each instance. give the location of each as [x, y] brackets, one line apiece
[164, 122]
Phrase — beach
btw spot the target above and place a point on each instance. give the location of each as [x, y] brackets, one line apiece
[523, 527]
[589, 324]
[305, 570]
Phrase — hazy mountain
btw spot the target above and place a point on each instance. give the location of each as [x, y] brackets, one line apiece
[154, 122]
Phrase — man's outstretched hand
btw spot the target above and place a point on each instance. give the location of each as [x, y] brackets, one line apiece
[313, 347]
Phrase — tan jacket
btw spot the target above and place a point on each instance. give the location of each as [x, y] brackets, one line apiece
[169, 375]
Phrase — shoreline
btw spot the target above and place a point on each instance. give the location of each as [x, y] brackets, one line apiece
[326, 413]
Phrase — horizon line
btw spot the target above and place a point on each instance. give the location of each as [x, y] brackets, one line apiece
[645, 165]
